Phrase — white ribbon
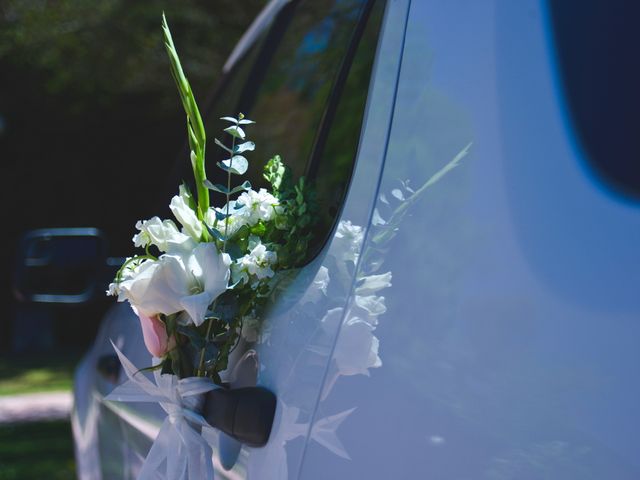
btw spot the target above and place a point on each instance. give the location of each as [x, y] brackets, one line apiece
[179, 446]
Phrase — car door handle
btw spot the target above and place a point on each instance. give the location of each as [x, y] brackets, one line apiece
[245, 414]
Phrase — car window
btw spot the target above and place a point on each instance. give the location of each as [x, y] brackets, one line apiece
[305, 84]
[599, 68]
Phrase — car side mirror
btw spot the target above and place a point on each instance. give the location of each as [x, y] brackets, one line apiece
[61, 265]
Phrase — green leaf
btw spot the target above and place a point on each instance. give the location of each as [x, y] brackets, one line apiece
[184, 89]
[245, 121]
[222, 145]
[216, 187]
[230, 119]
[215, 233]
[244, 147]
[220, 215]
[236, 164]
[192, 334]
[226, 306]
[193, 141]
[235, 131]
[258, 229]
[276, 173]
[241, 188]
[210, 353]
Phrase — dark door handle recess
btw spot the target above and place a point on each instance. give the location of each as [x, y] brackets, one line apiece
[109, 367]
[245, 414]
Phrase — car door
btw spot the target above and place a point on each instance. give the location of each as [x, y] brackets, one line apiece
[507, 347]
[307, 82]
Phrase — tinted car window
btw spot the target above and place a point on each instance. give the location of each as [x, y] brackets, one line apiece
[599, 65]
[311, 69]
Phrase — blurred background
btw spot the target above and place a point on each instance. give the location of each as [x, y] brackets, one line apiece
[90, 127]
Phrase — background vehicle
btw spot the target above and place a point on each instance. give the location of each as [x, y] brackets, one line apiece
[484, 326]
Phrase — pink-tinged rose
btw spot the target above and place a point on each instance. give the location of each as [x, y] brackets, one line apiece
[155, 335]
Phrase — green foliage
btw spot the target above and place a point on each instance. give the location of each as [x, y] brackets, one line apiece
[36, 450]
[277, 174]
[37, 372]
[296, 216]
[195, 128]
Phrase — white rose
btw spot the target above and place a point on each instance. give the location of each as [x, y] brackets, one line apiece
[187, 282]
[163, 234]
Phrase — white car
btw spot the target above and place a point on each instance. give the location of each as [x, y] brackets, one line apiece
[471, 309]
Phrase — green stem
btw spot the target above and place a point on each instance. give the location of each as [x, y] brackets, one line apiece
[206, 339]
[226, 220]
[127, 262]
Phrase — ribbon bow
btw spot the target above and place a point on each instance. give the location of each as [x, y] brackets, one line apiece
[179, 444]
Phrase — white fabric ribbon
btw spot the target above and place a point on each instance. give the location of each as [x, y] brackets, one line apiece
[179, 452]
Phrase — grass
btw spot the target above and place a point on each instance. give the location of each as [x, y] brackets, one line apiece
[36, 451]
[37, 373]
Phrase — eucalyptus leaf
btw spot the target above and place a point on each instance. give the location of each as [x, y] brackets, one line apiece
[221, 215]
[244, 147]
[215, 233]
[235, 131]
[226, 309]
[396, 192]
[241, 188]
[236, 164]
[222, 145]
[216, 187]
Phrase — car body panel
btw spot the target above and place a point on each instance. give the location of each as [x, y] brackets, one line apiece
[508, 349]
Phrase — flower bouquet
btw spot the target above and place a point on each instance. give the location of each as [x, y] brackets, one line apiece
[197, 288]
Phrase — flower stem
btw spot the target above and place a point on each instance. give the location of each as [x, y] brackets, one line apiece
[206, 339]
[226, 220]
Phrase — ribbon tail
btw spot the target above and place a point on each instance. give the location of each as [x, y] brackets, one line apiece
[135, 375]
[199, 460]
[177, 457]
[158, 454]
[131, 391]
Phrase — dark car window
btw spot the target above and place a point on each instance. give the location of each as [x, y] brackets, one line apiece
[600, 71]
[305, 83]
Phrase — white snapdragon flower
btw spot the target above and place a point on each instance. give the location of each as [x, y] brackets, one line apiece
[163, 234]
[236, 220]
[186, 216]
[187, 282]
[257, 264]
[256, 206]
